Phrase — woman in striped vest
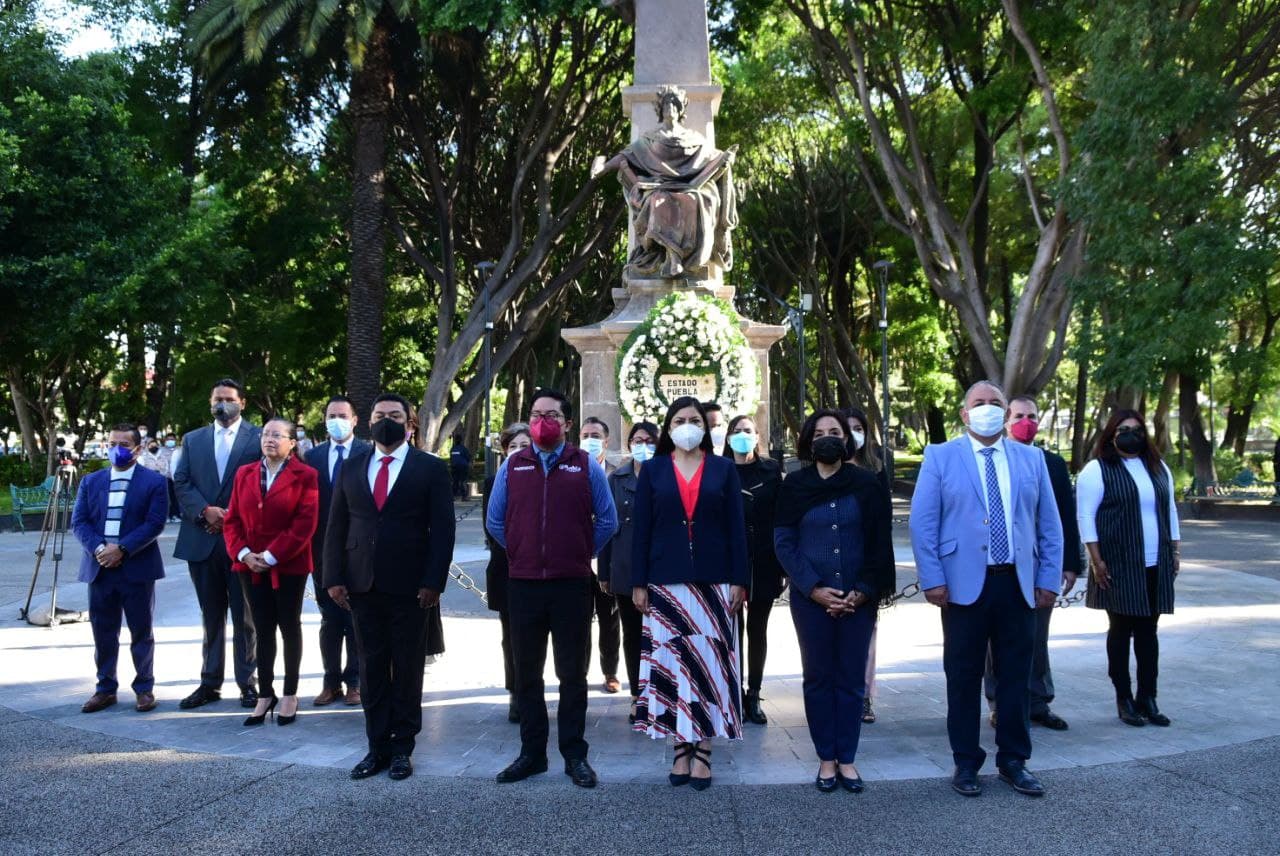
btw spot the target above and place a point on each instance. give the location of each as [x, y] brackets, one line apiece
[1129, 524]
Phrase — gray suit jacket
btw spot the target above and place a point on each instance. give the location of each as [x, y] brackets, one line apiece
[196, 483]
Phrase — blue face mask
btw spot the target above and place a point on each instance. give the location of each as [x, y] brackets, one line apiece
[742, 443]
[593, 446]
[121, 457]
[642, 451]
[339, 429]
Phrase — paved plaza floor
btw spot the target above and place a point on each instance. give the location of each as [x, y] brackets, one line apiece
[1220, 654]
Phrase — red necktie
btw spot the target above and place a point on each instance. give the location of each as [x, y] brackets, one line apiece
[381, 481]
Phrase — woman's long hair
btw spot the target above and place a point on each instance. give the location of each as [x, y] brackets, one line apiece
[1105, 448]
[733, 423]
[665, 444]
[867, 456]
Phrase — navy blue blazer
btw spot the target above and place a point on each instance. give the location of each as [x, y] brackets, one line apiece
[661, 550]
[146, 508]
[318, 459]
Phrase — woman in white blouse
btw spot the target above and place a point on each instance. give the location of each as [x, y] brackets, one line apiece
[1129, 524]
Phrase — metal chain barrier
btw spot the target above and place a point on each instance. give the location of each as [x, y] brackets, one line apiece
[1075, 597]
[467, 583]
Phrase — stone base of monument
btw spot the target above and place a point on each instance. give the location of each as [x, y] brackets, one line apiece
[598, 345]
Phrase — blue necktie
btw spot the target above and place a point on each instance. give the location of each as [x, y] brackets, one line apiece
[995, 511]
[337, 465]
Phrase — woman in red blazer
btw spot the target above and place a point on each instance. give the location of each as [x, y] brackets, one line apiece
[274, 509]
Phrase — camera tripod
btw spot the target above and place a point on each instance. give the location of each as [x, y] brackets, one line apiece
[53, 536]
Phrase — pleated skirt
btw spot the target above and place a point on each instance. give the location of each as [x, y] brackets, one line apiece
[690, 686]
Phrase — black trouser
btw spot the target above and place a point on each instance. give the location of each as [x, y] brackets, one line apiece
[274, 609]
[336, 627]
[218, 590]
[391, 636]
[999, 618]
[174, 508]
[1040, 684]
[1146, 646]
[508, 662]
[606, 609]
[756, 647]
[561, 608]
[632, 622]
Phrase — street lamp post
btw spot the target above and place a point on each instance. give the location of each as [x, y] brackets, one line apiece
[485, 269]
[882, 268]
[797, 320]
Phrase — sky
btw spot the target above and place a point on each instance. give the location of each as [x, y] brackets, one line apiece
[72, 21]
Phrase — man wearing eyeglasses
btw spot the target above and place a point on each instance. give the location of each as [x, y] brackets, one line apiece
[551, 508]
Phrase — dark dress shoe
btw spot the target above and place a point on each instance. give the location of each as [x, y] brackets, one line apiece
[1129, 714]
[401, 767]
[965, 782]
[327, 696]
[522, 768]
[97, 702]
[751, 707]
[826, 786]
[203, 695]
[1021, 780]
[1051, 720]
[868, 712]
[352, 698]
[580, 772]
[513, 711]
[853, 785]
[611, 684]
[371, 765]
[145, 702]
[249, 698]
[1147, 707]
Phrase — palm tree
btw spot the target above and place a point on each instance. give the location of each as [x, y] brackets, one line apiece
[227, 34]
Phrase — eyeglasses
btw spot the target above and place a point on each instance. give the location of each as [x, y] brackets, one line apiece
[554, 415]
[274, 436]
[1133, 429]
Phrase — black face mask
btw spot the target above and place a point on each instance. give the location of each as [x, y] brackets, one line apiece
[1131, 442]
[387, 433]
[829, 450]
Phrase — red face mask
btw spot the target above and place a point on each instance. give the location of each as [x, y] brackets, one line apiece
[546, 432]
[1024, 430]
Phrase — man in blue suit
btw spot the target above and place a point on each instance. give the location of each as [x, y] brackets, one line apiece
[203, 480]
[119, 514]
[336, 624]
[988, 548]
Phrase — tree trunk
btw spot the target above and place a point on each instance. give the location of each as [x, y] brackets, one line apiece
[1078, 409]
[1193, 429]
[26, 425]
[1160, 420]
[936, 421]
[370, 105]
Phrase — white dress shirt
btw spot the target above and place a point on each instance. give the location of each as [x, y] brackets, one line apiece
[225, 435]
[333, 453]
[1001, 461]
[393, 469]
[1089, 491]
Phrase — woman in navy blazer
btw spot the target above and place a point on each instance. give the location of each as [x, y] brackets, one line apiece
[689, 575]
[273, 513]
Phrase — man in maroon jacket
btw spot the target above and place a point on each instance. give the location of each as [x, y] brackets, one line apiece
[551, 508]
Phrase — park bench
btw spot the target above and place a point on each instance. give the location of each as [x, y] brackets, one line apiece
[34, 499]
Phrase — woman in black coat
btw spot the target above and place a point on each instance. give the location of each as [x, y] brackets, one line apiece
[760, 477]
[510, 441]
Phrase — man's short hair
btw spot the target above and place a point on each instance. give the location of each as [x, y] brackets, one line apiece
[229, 382]
[595, 420]
[712, 407]
[131, 428]
[1025, 398]
[566, 409]
[399, 399]
[340, 399]
[968, 392]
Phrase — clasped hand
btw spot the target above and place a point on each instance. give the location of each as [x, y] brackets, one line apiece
[837, 603]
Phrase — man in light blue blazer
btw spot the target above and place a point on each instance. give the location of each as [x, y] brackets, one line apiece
[988, 548]
[119, 514]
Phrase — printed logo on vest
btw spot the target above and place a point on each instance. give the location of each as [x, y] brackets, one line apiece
[522, 469]
[570, 469]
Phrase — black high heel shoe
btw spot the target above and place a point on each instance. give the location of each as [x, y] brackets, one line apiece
[258, 720]
[1129, 714]
[683, 750]
[827, 784]
[287, 720]
[703, 755]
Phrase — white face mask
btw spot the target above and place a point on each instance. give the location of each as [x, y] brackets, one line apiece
[687, 436]
[986, 420]
[339, 429]
[593, 446]
[642, 451]
[859, 439]
[718, 435]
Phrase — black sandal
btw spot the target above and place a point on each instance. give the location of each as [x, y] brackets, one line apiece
[703, 755]
[683, 750]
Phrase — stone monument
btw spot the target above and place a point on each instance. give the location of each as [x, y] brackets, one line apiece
[682, 210]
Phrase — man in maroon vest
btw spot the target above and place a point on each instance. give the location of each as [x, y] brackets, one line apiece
[551, 508]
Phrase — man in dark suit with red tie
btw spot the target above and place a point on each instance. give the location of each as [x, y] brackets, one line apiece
[386, 557]
[336, 625]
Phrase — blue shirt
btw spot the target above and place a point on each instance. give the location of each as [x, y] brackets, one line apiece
[825, 548]
[606, 515]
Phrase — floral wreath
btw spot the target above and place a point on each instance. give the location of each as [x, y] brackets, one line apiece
[687, 334]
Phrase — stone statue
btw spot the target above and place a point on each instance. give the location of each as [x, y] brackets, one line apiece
[680, 191]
